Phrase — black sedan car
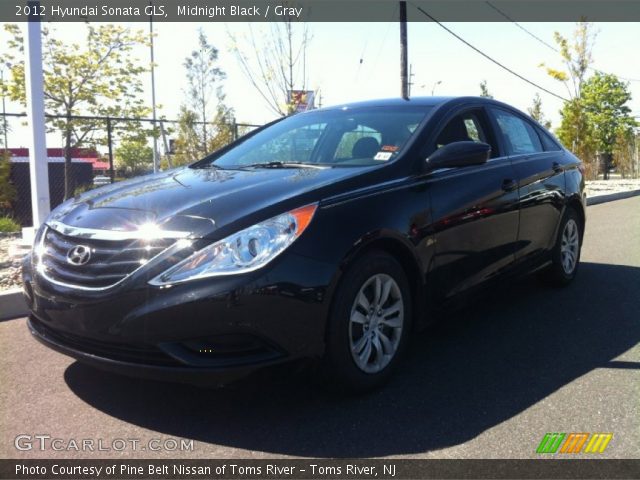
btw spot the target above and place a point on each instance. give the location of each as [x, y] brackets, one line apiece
[329, 235]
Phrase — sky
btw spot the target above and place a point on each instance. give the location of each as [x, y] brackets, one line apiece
[359, 61]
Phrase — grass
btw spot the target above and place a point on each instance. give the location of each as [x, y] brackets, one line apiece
[85, 187]
[8, 225]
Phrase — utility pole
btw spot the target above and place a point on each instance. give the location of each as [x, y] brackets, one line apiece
[153, 92]
[34, 85]
[404, 77]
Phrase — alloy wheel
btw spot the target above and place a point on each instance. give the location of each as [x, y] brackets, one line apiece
[569, 246]
[376, 322]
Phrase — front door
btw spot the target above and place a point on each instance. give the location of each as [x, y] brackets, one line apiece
[475, 210]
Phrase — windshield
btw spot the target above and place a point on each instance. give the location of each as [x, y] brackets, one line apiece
[346, 137]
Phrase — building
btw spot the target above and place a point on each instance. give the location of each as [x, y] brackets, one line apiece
[56, 155]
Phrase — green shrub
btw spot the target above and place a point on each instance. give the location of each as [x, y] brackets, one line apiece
[7, 190]
[85, 187]
[9, 225]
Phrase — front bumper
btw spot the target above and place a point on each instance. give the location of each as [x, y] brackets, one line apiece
[204, 376]
[204, 332]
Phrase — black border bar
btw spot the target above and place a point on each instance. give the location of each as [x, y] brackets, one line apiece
[321, 10]
[338, 469]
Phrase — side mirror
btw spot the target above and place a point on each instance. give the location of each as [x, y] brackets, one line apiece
[459, 154]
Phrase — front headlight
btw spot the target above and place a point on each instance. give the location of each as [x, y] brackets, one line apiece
[245, 251]
[38, 247]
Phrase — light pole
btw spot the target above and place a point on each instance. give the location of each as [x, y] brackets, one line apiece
[34, 86]
[153, 91]
[433, 89]
[4, 111]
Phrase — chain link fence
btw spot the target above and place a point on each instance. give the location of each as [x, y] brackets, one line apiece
[120, 148]
[109, 156]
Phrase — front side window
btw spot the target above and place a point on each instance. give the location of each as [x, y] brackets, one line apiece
[470, 126]
[520, 136]
[462, 128]
[341, 137]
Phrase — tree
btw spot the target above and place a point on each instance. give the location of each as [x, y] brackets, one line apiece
[134, 156]
[7, 189]
[203, 74]
[4, 130]
[536, 112]
[626, 151]
[576, 133]
[275, 62]
[605, 99]
[223, 125]
[203, 128]
[575, 130]
[189, 140]
[4, 125]
[484, 91]
[576, 58]
[96, 78]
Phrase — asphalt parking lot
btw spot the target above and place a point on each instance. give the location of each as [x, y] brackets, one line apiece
[487, 383]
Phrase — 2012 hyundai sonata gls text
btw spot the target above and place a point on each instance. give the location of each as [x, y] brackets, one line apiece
[330, 234]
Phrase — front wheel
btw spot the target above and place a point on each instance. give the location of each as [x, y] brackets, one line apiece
[369, 323]
[566, 252]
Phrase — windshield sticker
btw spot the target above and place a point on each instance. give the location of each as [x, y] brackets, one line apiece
[389, 148]
[382, 156]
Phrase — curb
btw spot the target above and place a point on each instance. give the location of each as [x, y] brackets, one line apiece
[12, 304]
[611, 197]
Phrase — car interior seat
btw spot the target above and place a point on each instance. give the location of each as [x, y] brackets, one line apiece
[365, 147]
[455, 131]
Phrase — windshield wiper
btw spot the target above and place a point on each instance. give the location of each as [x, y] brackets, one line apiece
[283, 165]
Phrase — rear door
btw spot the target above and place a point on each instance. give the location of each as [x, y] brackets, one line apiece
[538, 163]
[475, 209]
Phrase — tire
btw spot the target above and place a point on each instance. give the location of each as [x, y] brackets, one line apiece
[356, 331]
[565, 256]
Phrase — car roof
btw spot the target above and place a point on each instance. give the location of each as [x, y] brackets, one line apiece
[415, 101]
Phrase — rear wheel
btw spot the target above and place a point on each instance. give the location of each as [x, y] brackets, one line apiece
[369, 324]
[566, 252]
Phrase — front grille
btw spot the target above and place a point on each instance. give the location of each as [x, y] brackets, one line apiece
[110, 261]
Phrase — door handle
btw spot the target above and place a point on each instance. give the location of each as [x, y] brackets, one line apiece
[509, 185]
[557, 167]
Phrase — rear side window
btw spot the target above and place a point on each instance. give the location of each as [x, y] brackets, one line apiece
[519, 135]
[548, 143]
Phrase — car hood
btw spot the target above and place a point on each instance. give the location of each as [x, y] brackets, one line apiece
[195, 200]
